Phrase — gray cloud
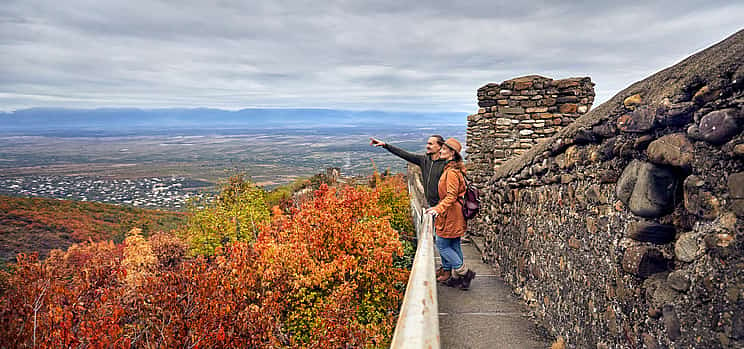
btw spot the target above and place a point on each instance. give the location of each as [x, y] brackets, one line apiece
[337, 54]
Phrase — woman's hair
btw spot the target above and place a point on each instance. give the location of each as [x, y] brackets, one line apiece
[440, 139]
[457, 160]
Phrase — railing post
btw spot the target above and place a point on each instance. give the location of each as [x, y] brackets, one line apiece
[418, 322]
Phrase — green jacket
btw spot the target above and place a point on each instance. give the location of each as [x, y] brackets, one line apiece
[431, 170]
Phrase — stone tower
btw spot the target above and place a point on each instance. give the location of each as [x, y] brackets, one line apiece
[519, 113]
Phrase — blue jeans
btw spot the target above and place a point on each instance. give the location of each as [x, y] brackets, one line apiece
[450, 251]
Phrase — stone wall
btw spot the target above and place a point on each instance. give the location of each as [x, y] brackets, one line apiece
[626, 229]
[519, 113]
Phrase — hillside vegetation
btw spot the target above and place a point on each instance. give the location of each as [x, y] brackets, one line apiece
[40, 225]
[324, 269]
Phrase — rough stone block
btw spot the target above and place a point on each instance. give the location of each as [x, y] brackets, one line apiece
[677, 114]
[545, 115]
[698, 201]
[537, 110]
[567, 178]
[704, 95]
[738, 207]
[511, 110]
[568, 108]
[632, 100]
[671, 322]
[522, 85]
[566, 83]
[739, 150]
[689, 247]
[605, 130]
[486, 103]
[526, 132]
[647, 189]
[643, 261]
[719, 126]
[642, 143]
[736, 185]
[674, 150]
[679, 280]
[640, 120]
[653, 194]
[626, 182]
[651, 232]
[503, 121]
[567, 99]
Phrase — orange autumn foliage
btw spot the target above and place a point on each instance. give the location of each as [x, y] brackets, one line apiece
[321, 276]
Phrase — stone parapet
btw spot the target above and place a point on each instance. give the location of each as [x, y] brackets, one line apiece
[519, 113]
[625, 229]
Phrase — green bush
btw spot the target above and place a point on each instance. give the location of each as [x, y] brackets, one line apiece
[236, 214]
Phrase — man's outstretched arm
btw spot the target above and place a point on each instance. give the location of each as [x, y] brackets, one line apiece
[410, 157]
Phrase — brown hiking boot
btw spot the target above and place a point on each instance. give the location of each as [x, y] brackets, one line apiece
[453, 282]
[465, 283]
[444, 276]
[439, 271]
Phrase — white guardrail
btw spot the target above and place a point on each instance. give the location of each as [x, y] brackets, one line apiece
[418, 322]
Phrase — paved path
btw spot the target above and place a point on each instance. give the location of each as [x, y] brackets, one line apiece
[487, 315]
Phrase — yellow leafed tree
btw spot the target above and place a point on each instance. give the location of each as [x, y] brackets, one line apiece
[139, 260]
[236, 214]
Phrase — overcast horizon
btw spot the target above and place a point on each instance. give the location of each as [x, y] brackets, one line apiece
[350, 55]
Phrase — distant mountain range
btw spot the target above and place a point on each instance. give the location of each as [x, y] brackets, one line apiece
[44, 120]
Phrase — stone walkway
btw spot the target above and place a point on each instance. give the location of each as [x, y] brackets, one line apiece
[487, 315]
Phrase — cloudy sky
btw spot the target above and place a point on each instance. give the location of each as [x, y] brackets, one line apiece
[385, 55]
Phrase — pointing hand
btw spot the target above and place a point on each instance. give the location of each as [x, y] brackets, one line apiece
[376, 142]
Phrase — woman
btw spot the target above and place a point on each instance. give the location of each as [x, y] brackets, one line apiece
[449, 222]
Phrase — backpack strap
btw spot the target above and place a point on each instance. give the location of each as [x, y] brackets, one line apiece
[465, 177]
[461, 198]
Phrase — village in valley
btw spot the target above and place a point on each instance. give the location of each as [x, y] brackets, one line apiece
[172, 193]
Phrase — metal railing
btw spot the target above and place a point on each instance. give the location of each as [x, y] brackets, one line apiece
[418, 323]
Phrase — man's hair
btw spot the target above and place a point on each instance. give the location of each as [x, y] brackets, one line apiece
[440, 139]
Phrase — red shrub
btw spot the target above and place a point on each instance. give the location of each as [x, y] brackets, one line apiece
[320, 277]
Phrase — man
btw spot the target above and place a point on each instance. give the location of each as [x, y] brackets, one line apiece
[430, 164]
